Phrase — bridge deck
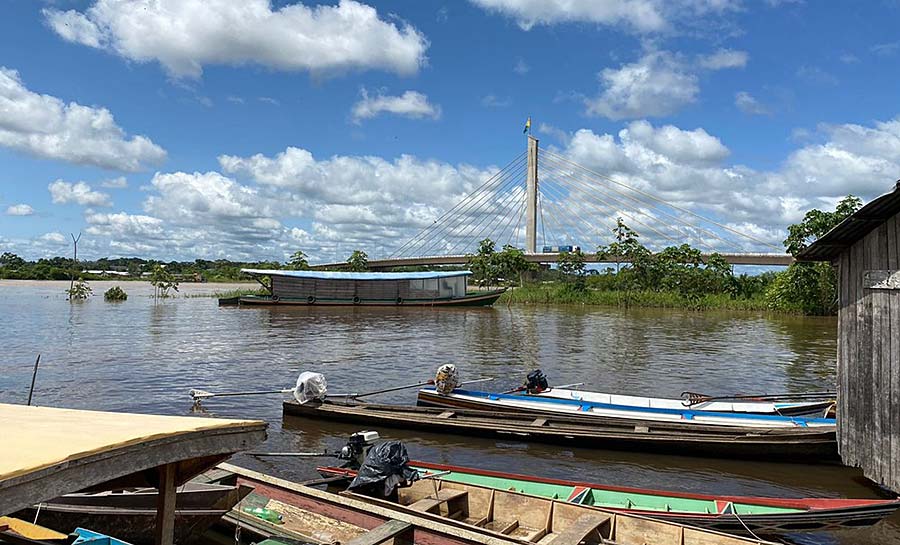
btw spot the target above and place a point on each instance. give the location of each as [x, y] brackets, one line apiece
[782, 260]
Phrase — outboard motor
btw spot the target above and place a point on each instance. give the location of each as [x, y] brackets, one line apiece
[537, 382]
[386, 468]
[359, 444]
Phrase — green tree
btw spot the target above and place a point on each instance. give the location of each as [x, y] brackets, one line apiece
[358, 261]
[162, 281]
[483, 264]
[79, 290]
[298, 261]
[571, 265]
[810, 288]
[510, 263]
[11, 261]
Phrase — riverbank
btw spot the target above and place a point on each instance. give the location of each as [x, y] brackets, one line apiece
[564, 295]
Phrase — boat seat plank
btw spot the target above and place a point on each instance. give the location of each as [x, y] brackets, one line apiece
[580, 530]
[502, 526]
[388, 531]
[476, 521]
[430, 502]
[538, 422]
[446, 414]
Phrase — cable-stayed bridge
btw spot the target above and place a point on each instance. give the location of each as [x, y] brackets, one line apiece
[543, 202]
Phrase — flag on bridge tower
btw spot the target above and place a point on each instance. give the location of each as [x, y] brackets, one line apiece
[527, 126]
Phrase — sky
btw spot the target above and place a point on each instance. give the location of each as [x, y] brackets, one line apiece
[249, 129]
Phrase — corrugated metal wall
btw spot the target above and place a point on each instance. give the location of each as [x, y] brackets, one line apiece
[869, 357]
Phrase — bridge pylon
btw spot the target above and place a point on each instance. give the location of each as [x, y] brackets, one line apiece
[531, 196]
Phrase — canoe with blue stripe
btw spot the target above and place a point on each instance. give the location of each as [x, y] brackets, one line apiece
[733, 514]
[472, 399]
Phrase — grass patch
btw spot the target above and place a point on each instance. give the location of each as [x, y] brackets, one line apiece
[240, 292]
[564, 295]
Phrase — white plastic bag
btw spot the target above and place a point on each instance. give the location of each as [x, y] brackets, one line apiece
[310, 386]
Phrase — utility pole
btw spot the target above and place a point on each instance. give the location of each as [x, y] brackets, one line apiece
[531, 193]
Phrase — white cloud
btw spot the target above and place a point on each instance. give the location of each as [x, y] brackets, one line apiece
[115, 183]
[493, 101]
[658, 84]
[689, 168]
[185, 35]
[47, 127]
[724, 58]
[814, 74]
[19, 210]
[53, 238]
[80, 193]
[521, 67]
[748, 104]
[642, 16]
[411, 104]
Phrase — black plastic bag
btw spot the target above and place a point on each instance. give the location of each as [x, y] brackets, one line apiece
[386, 467]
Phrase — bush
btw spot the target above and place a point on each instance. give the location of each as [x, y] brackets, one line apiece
[79, 291]
[115, 293]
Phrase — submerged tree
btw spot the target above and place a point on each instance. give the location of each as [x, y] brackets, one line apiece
[79, 290]
[511, 265]
[162, 281]
[358, 261]
[571, 265]
[483, 264]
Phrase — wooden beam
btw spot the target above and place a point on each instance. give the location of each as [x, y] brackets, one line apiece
[392, 529]
[165, 505]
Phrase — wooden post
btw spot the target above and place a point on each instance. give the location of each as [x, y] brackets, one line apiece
[165, 505]
[531, 192]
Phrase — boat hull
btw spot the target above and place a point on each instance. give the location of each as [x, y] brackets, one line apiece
[591, 411]
[787, 516]
[799, 445]
[481, 299]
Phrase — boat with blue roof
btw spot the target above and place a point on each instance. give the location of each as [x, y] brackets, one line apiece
[331, 288]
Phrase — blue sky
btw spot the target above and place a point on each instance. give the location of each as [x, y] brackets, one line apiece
[248, 129]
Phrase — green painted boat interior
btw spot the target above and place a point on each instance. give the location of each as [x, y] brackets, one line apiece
[610, 498]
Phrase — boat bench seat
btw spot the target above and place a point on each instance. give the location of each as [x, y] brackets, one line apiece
[502, 526]
[580, 530]
[429, 503]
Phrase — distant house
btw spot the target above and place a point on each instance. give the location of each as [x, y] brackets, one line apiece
[108, 273]
[865, 248]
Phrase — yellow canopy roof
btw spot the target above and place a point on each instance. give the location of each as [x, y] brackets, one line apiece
[92, 447]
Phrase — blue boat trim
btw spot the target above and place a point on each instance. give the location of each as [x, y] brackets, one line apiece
[686, 414]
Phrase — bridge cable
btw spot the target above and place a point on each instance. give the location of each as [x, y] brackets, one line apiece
[450, 211]
[648, 195]
[681, 223]
[501, 203]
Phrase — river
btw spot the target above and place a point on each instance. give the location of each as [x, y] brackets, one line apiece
[143, 356]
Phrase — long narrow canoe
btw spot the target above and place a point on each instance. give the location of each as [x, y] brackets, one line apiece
[800, 444]
[447, 512]
[472, 399]
[780, 408]
[765, 516]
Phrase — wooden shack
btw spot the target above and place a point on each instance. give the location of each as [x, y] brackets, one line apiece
[865, 249]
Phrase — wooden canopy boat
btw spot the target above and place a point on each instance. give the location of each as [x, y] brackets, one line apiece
[764, 516]
[591, 410]
[308, 288]
[131, 514]
[15, 531]
[442, 512]
[798, 444]
[750, 406]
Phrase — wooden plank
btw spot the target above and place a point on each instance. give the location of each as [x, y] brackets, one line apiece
[881, 279]
[389, 530]
[165, 505]
[585, 527]
[446, 414]
[538, 422]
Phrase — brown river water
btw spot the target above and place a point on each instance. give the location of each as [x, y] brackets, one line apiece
[144, 356]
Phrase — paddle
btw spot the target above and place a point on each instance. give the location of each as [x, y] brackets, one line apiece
[693, 398]
[198, 395]
[394, 389]
[522, 388]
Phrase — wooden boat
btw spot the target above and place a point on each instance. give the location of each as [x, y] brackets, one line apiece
[798, 444]
[309, 288]
[439, 512]
[764, 516]
[131, 514]
[15, 531]
[590, 410]
[750, 406]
